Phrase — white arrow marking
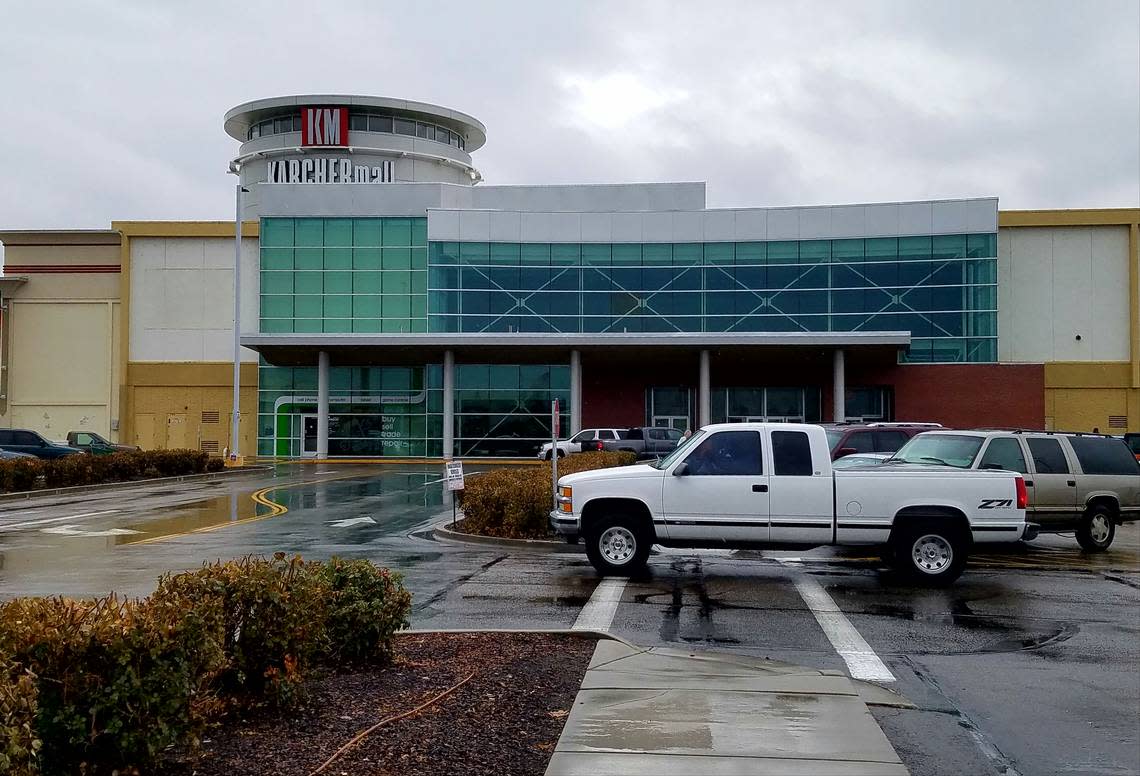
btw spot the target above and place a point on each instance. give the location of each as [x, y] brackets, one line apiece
[34, 523]
[352, 521]
[71, 530]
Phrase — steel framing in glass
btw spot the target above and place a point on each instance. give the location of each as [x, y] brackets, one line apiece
[943, 289]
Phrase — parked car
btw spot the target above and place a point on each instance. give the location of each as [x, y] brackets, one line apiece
[860, 459]
[20, 440]
[1087, 483]
[9, 455]
[849, 438]
[764, 485]
[646, 441]
[574, 443]
[1133, 442]
[90, 442]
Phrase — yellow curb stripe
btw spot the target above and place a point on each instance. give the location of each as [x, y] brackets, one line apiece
[258, 497]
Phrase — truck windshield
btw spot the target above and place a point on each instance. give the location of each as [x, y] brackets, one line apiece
[940, 449]
[680, 450]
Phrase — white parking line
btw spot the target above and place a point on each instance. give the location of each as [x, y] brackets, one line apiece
[599, 611]
[861, 660]
[48, 521]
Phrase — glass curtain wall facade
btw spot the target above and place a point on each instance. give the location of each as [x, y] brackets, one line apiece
[365, 275]
[373, 411]
[943, 289]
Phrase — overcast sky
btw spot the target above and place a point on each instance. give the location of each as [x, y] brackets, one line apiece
[113, 109]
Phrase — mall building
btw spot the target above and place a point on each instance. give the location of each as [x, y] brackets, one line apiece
[395, 305]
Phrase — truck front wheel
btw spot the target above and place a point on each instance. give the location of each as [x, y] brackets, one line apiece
[617, 546]
[929, 553]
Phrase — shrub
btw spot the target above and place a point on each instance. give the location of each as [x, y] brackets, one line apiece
[19, 746]
[266, 617]
[516, 503]
[19, 474]
[114, 679]
[25, 473]
[365, 605]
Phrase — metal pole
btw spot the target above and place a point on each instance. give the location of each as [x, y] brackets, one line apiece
[235, 430]
[554, 423]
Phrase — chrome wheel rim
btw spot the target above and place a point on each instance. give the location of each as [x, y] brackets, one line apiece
[932, 554]
[1099, 528]
[617, 545]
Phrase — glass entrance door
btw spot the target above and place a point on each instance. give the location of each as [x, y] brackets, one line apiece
[671, 421]
[309, 436]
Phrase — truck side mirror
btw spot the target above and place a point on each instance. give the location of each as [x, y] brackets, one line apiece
[681, 469]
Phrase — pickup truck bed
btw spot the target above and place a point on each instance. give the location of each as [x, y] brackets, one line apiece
[772, 485]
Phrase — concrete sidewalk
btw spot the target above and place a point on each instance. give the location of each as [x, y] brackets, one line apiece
[670, 712]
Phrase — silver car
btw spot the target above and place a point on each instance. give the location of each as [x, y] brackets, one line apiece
[1087, 483]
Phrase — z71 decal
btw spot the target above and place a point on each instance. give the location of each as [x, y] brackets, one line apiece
[996, 503]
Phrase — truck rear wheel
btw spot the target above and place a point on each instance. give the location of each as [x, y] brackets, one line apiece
[929, 553]
[617, 546]
[1097, 529]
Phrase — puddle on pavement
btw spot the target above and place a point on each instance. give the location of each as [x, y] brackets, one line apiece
[64, 545]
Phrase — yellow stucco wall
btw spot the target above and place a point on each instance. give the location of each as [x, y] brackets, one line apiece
[171, 404]
[1082, 396]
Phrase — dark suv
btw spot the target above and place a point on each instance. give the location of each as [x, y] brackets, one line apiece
[847, 439]
[20, 440]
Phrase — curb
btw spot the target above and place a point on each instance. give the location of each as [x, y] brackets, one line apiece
[443, 533]
[586, 632]
[78, 489]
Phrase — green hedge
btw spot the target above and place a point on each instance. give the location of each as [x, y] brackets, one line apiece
[516, 503]
[30, 473]
[106, 685]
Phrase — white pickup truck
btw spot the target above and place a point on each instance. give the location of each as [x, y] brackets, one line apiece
[771, 485]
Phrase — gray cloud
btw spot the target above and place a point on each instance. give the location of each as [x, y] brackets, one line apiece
[114, 109]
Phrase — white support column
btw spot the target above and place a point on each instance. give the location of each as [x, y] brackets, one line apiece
[838, 388]
[323, 404]
[704, 399]
[575, 392]
[448, 404]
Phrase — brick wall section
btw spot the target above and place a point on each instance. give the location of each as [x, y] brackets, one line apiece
[955, 395]
[969, 395]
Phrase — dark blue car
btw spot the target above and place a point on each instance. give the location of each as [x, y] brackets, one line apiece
[20, 440]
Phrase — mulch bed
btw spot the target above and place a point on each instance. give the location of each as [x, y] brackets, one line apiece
[506, 719]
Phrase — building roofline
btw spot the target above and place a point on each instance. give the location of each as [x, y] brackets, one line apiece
[1076, 217]
[184, 228]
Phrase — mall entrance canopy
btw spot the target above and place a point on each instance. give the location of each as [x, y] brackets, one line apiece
[394, 349]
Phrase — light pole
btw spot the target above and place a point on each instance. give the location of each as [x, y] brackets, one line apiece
[235, 429]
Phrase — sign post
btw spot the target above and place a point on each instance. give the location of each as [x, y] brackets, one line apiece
[453, 477]
[554, 450]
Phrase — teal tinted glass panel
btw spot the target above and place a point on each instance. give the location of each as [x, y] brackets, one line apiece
[310, 258]
[927, 285]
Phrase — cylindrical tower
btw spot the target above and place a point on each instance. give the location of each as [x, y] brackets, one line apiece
[337, 138]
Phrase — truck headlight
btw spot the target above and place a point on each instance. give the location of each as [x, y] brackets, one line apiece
[565, 499]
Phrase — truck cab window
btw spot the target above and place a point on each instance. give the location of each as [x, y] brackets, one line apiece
[791, 452]
[729, 453]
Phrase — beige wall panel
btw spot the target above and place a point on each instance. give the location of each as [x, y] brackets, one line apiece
[1058, 282]
[146, 432]
[182, 298]
[102, 285]
[59, 353]
[1109, 247]
[54, 421]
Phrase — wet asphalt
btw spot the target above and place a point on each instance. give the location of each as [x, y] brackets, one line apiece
[1030, 664]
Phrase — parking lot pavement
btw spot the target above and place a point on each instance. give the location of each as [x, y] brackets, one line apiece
[1030, 663]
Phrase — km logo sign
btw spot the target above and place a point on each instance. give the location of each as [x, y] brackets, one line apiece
[324, 126]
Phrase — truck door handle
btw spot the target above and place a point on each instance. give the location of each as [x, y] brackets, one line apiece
[1029, 483]
[759, 488]
[1072, 483]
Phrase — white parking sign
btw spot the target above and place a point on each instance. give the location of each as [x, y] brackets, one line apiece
[453, 475]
